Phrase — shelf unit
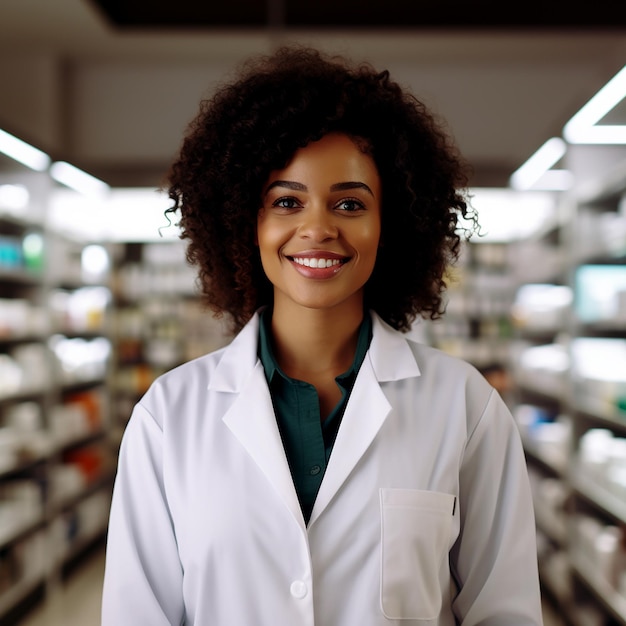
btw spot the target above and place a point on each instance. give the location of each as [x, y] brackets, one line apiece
[597, 397]
[568, 364]
[81, 462]
[56, 464]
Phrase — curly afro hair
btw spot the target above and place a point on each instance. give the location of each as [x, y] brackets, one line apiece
[254, 125]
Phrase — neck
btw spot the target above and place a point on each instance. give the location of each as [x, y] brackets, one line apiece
[310, 342]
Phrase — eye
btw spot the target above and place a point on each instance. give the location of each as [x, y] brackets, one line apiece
[286, 202]
[350, 205]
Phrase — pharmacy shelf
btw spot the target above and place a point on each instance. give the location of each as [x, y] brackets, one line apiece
[613, 602]
[570, 282]
[533, 451]
[70, 500]
[54, 422]
[552, 526]
[22, 528]
[599, 495]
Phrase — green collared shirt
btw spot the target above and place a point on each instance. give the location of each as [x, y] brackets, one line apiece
[307, 440]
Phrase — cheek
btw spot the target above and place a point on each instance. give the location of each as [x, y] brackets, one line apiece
[370, 238]
[269, 237]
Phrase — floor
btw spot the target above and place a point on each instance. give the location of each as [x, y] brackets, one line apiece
[77, 603]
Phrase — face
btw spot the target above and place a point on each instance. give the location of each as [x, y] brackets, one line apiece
[318, 228]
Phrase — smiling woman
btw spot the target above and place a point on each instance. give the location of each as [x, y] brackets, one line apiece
[324, 468]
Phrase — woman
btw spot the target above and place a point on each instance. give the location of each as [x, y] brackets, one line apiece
[323, 469]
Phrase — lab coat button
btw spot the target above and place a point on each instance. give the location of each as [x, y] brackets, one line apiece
[298, 589]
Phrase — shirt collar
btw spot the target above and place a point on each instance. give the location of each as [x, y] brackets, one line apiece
[266, 353]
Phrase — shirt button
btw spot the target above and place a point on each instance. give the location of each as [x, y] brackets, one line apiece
[316, 469]
[298, 589]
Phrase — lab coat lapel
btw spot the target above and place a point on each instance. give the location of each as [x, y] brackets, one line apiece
[365, 413]
[389, 358]
[251, 416]
[251, 419]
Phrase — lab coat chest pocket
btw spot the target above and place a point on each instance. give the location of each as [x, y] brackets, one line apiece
[415, 527]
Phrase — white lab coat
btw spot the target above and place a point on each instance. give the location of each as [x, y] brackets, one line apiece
[424, 515]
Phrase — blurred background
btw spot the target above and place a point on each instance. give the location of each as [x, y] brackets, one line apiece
[96, 298]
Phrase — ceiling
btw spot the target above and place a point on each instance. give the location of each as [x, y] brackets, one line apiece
[505, 80]
[350, 14]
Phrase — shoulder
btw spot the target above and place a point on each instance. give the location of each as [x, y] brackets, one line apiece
[198, 368]
[181, 383]
[391, 347]
[414, 372]
[462, 394]
[191, 385]
[438, 361]
[450, 374]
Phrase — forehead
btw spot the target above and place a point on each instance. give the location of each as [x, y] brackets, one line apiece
[335, 157]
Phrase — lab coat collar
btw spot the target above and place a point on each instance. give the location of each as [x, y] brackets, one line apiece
[240, 357]
[390, 353]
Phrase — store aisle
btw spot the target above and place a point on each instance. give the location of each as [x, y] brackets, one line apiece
[78, 601]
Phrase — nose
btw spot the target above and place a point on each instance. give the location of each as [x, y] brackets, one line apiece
[318, 224]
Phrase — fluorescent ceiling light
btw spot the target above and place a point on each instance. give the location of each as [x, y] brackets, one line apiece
[606, 135]
[506, 215]
[584, 128]
[77, 179]
[534, 170]
[23, 152]
[126, 214]
[554, 180]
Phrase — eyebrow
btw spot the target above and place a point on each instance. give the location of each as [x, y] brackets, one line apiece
[350, 185]
[294, 186]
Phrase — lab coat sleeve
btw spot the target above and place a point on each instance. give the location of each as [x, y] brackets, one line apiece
[495, 556]
[143, 575]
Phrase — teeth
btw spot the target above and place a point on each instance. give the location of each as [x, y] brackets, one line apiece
[316, 262]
